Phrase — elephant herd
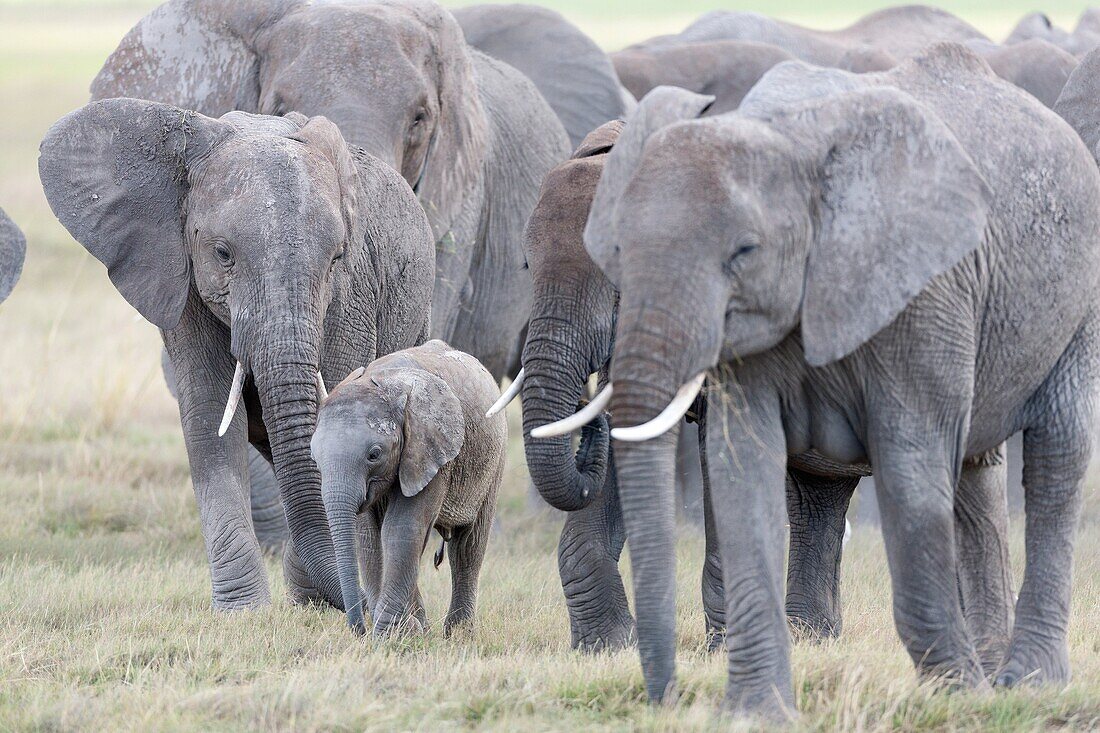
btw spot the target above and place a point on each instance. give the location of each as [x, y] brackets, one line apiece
[830, 253]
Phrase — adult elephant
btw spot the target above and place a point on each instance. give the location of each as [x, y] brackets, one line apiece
[13, 248]
[573, 73]
[1083, 39]
[570, 336]
[258, 241]
[471, 135]
[942, 344]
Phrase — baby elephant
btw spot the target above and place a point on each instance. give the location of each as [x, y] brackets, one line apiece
[403, 446]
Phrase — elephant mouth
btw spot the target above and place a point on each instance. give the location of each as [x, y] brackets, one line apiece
[668, 418]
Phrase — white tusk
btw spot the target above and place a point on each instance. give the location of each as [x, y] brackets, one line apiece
[669, 417]
[847, 533]
[577, 421]
[234, 399]
[321, 389]
[508, 396]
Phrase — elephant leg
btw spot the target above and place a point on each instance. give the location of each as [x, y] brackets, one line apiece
[713, 590]
[465, 552]
[985, 574]
[689, 479]
[915, 475]
[746, 466]
[199, 351]
[369, 526]
[816, 508]
[405, 527]
[268, 517]
[1057, 446]
[588, 564]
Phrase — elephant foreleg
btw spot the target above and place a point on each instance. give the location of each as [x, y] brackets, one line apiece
[588, 563]
[268, 517]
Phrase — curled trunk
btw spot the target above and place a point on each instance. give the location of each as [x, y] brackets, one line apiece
[553, 386]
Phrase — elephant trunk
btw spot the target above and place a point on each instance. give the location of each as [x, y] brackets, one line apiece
[553, 385]
[659, 346]
[284, 367]
[342, 492]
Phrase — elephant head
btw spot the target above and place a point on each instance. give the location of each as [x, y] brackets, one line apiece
[395, 77]
[379, 429]
[265, 221]
[13, 248]
[729, 235]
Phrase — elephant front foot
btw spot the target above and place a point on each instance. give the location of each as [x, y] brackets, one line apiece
[299, 587]
[396, 626]
[813, 625]
[1033, 664]
[606, 637]
[238, 577]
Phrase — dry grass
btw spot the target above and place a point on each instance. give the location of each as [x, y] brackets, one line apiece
[104, 614]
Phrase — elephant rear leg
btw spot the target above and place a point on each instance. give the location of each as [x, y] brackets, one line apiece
[816, 509]
[588, 564]
[985, 574]
[466, 552]
[1057, 446]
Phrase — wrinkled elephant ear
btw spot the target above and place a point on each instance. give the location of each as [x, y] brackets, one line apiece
[195, 54]
[888, 167]
[115, 173]
[434, 429]
[571, 72]
[13, 248]
[1077, 104]
[660, 108]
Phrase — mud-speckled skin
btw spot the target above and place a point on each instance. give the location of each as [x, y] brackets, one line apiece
[404, 445]
[879, 272]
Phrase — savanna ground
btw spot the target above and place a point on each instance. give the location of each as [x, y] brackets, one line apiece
[104, 595]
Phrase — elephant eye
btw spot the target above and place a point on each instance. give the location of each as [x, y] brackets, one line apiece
[420, 118]
[740, 252]
[374, 453]
[222, 252]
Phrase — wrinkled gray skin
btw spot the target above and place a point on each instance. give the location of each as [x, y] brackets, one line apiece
[570, 70]
[921, 363]
[570, 335]
[266, 506]
[471, 135]
[404, 446]
[1084, 38]
[727, 69]
[13, 248]
[263, 240]
[1077, 104]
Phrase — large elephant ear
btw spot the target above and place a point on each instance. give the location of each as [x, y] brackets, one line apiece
[1077, 104]
[659, 108]
[115, 173]
[13, 248]
[434, 429]
[900, 203]
[571, 72]
[195, 54]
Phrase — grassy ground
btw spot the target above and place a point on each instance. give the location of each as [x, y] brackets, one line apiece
[104, 617]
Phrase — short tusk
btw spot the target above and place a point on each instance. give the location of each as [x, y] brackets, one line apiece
[578, 420]
[321, 391]
[668, 418]
[234, 399]
[508, 396]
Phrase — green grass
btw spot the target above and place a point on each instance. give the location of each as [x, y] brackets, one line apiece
[104, 594]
